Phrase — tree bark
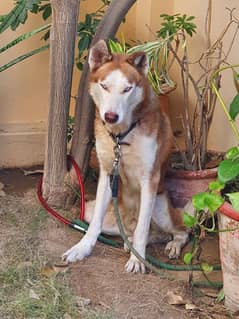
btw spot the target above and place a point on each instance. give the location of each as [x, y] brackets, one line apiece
[84, 114]
[62, 44]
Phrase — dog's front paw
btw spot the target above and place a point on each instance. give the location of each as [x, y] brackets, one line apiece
[78, 252]
[134, 265]
[173, 249]
[126, 248]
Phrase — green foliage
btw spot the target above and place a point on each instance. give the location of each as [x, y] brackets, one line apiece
[117, 47]
[19, 14]
[234, 199]
[172, 24]
[216, 186]
[206, 268]
[187, 258]
[188, 220]
[234, 107]
[86, 31]
[46, 11]
[220, 296]
[233, 153]
[228, 170]
[236, 79]
[207, 201]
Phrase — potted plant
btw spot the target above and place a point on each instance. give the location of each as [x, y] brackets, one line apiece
[222, 196]
[199, 101]
[193, 164]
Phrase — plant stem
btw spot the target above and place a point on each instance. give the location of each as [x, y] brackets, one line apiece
[23, 57]
[221, 100]
[24, 37]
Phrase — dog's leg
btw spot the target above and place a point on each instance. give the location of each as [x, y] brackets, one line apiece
[85, 246]
[140, 238]
[170, 221]
[173, 248]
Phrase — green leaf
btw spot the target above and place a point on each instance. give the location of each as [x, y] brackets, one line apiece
[207, 201]
[234, 107]
[47, 12]
[15, 24]
[46, 36]
[228, 170]
[187, 258]
[236, 79]
[232, 153]
[12, 16]
[234, 199]
[188, 220]
[216, 186]
[23, 16]
[190, 18]
[220, 296]
[35, 8]
[84, 43]
[88, 20]
[206, 268]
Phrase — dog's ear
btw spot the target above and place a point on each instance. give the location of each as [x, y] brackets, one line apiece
[140, 61]
[99, 54]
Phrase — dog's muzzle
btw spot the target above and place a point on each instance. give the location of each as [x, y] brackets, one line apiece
[111, 117]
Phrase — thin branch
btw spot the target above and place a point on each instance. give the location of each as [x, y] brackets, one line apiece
[23, 57]
[24, 37]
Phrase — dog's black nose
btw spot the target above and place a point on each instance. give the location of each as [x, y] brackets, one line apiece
[111, 117]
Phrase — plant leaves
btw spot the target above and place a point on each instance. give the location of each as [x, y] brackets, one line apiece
[236, 79]
[206, 268]
[234, 199]
[188, 220]
[187, 258]
[47, 12]
[232, 153]
[220, 296]
[216, 186]
[234, 107]
[207, 201]
[228, 170]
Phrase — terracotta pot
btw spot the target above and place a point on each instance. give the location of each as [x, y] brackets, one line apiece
[229, 254]
[182, 185]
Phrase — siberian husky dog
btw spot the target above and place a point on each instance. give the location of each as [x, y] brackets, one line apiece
[126, 106]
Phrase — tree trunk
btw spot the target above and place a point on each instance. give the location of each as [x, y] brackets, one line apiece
[84, 115]
[62, 44]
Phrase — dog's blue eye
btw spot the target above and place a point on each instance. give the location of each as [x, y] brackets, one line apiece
[103, 86]
[127, 89]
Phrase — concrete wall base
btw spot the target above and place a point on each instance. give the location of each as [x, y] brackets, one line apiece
[22, 144]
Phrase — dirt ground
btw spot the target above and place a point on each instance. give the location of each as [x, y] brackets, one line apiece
[101, 279]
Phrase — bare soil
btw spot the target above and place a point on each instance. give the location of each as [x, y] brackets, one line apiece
[101, 277]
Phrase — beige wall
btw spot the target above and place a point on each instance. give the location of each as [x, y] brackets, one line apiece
[148, 13]
[23, 96]
[24, 87]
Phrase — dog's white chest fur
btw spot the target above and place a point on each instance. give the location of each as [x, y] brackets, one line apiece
[137, 156]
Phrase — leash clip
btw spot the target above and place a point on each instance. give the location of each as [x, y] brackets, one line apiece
[117, 152]
[114, 176]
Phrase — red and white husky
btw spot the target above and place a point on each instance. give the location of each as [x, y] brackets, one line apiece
[122, 94]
